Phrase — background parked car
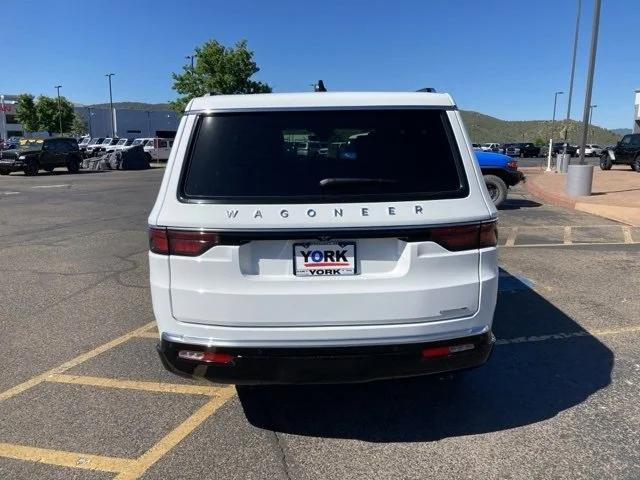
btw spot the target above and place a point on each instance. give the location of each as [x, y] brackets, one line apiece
[158, 149]
[490, 147]
[102, 148]
[626, 152]
[591, 150]
[521, 150]
[558, 147]
[84, 150]
[120, 145]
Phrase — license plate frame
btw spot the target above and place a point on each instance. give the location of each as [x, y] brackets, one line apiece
[304, 270]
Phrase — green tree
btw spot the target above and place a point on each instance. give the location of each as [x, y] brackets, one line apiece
[49, 114]
[27, 113]
[78, 126]
[225, 70]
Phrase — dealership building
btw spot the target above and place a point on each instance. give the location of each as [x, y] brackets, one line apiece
[127, 122]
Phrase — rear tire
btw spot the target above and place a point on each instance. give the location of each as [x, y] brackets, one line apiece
[497, 189]
[147, 155]
[636, 164]
[5, 172]
[605, 162]
[48, 169]
[73, 165]
[32, 168]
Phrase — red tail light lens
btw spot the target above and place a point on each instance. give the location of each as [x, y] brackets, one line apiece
[158, 241]
[513, 164]
[181, 242]
[466, 237]
[208, 357]
[488, 235]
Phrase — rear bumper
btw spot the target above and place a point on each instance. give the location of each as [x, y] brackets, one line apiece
[513, 177]
[11, 165]
[326, 365]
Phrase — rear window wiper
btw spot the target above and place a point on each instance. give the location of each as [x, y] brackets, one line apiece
[337, 182]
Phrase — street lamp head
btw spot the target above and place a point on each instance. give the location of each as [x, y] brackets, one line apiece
[109, 74]
[559, 93]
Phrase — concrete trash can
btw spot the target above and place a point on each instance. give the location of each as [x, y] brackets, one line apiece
[579, 180]
[562, 162]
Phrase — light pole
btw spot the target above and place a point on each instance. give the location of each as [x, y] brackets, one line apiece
[591, 107]
[58, 87]
[148, 123]
[113, 132]
[191, 57]
[90, 122]
[553, 124]
[595, 26]
[573, 61]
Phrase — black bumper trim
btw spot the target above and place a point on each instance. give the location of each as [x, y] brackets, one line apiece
[325, 365]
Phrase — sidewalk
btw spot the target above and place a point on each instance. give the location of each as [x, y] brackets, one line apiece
[616, 193]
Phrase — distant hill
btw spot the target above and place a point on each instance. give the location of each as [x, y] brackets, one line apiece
[483, 128]
[622, 131]
[134, 106]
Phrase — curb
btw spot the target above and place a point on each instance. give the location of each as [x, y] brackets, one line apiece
[628, 215]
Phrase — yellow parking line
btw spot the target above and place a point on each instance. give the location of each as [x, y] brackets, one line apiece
[155, 453]
[151, 334]
[66, 459]
[511, 239]
[134, 384]
[21, 387]
[626, 232]
[567, 236]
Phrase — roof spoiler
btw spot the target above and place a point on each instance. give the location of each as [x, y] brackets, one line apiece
[427, 90]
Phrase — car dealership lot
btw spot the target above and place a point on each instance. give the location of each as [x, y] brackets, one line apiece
[83, 394]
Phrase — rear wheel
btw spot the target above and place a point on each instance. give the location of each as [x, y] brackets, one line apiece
[636, 164]
[147, 155]
[5, 172]
[48, 169]
[605, 162]
[32, 168]
[73, 165]
[497, 189]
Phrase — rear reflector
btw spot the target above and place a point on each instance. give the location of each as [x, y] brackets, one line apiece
[208, 357]
[433, 352]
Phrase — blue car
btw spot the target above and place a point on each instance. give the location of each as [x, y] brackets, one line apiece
[500, 172]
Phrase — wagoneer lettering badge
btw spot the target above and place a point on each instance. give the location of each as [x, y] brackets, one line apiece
[317, 213]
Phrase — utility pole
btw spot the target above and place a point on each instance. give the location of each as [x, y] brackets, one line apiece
[553, 123]
[58, 87]
[113, 132]
[595, 27]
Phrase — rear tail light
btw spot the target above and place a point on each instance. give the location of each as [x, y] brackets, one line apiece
[181, 242]
[466, 237]
[434, 352]
[513, 164]
[192, 243]
[207, 357]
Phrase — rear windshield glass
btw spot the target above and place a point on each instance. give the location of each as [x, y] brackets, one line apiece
[323, 156]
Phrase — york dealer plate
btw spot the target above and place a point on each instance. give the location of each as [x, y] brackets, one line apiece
[324, 259]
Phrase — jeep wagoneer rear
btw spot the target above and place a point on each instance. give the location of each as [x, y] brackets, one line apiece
[371, 257]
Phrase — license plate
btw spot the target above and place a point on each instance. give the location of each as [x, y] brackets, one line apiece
[324, 259]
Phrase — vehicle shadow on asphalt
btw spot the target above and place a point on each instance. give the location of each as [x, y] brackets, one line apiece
[518, 203]
[529, 378]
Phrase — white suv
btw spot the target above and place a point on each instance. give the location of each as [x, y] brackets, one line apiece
[376, 260]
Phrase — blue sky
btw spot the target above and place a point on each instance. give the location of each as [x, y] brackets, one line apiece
[500, 57]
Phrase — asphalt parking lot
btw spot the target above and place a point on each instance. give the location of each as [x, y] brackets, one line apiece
[83, 395]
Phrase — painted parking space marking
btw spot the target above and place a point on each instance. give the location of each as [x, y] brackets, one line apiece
[62, 458]
[569, 235]
[9, 193]
[125, 468]
[568, 335]
[52, 186]
[149, 334]
[134, 384]
[160, 449]
[72, 363]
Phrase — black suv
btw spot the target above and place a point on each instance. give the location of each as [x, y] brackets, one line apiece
[559, 148]
[31, 155]
[626, 152]
[521, 150]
